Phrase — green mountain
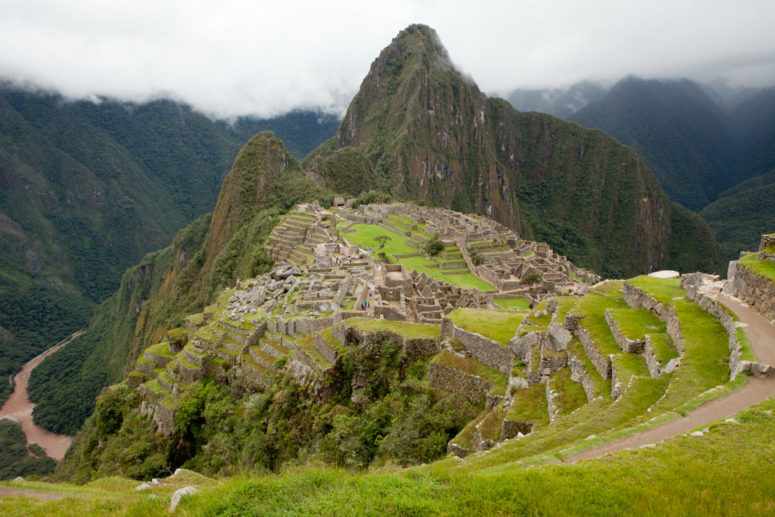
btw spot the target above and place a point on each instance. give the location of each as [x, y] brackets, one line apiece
[86, 189]
[154, 296]
[420, 130]
[742, 214]
[680, 132]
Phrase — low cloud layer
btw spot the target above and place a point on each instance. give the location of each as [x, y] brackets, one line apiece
[232, 58]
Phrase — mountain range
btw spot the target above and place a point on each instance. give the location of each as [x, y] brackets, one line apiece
[87, 188]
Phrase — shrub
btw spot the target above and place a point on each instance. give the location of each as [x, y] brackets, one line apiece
[434, 246]
[532, 278]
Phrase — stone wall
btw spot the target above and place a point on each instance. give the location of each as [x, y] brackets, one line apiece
[636, 299]
[579, 374]
[484, 350]
[628, 346]
[326, 351]
[601, 362]
[413, 348]
[457, 381]
[753, 289]
[674, 329]
[692, 284]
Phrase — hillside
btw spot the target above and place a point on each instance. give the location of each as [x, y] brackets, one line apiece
[154, 296]
[86, 189]
[680, 132]
[291, 366]
[428, 133]
[742, 213]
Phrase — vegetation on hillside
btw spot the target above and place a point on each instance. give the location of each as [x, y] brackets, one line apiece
[396, 419]
[86, 189]
[17, 458]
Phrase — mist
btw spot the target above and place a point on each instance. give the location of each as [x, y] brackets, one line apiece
[244, 58]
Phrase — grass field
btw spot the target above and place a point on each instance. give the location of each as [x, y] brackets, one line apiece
[365, 235]
[517, 304]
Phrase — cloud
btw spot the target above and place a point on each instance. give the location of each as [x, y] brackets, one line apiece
[264, 58]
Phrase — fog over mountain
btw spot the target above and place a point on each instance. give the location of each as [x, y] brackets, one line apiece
[264, 59]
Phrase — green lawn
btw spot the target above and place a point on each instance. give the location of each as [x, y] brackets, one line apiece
[498, 325]
[636, 323]
[662, 289]
[403, 328]
[764, 268]
[518, 304]
[365, 234]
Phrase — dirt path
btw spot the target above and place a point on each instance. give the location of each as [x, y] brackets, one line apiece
[762, 336]
[19, 408]
[7, 491]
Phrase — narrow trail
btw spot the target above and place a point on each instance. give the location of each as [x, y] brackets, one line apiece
[762, 335]
[19, 408]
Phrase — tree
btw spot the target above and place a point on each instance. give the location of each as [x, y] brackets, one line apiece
[434, 246]
[381, 240]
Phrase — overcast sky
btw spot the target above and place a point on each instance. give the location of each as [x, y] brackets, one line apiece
[231, 58]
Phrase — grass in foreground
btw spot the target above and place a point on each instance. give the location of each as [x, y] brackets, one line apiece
[727, 471]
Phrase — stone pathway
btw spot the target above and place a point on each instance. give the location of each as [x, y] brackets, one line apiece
[19, 408]
[762, 335]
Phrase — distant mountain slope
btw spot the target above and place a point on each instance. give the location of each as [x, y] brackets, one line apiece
[752, 126]
[742, 214]
[428, 133]
[680, 132]
[86, 189]
[210, 253]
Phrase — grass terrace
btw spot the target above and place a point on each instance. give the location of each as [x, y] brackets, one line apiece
[593, 307]
[602, 386]
[474, 367]
[705, 361]
[530, 406]
[162, 348]
[402, 328]
[515, 304]
[664, 350]
[498, 325]
[727, 471]
[662, 289]
[763, 268]
[570, 394]
[636, 323]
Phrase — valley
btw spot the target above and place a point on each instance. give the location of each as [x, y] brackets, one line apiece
[18, 408]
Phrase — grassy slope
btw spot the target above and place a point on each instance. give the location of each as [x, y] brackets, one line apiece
[726, 471]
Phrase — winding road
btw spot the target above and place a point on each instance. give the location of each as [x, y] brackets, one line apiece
[19, 408]
[762, 336]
